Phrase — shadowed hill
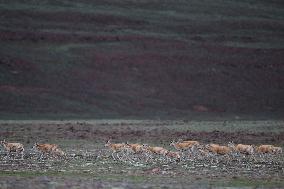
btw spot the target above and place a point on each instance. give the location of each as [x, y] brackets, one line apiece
[109, 59]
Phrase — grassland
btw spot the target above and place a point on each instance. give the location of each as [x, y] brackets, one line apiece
[90, 165]
[216, 67]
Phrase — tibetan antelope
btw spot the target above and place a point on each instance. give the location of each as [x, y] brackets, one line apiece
[13, 147]
[265, 149]
[149, 151]
[269, 149]
[242, 148]
[48, 149]
[217, 149]
[135, 148]
[116, 148]
[192, 142]
[181, 146]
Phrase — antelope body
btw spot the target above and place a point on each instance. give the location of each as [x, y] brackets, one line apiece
[51, 149]
[183, 145]
[265, 148]
[192, 142]
[136, 148]
[270, 149]
[156, 150]
[13, 147]
[242, 148]
[217, 149]
[115, 148]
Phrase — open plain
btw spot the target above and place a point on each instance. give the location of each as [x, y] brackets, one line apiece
[89, 164]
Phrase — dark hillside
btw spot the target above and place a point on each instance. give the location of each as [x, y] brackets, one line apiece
[141, 59]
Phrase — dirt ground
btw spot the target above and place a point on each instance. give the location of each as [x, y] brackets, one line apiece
[89, 164]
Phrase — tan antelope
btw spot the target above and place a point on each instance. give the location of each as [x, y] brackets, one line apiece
[266, 148]
[135, 148]
[242, 148]
[192, 142]
[181, 146]
[48, 149]
[116, 147]
[155, 150]
[13, 147]
[269, 149]
[217, 149]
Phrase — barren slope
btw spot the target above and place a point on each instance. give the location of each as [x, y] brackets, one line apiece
[114, 59]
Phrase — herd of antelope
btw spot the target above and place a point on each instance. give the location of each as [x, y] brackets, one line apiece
[44, 149]
[192, 147]
[135, 148]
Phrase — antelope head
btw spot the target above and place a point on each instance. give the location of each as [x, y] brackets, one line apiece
[179, 140]
[172, 143]
[108, 143]
[35, 146]
[3, 142]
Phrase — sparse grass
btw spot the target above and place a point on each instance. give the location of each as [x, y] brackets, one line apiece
[143, 59]
[116, 172]
[275, 126]
[93, 163]
[30, 173]
[247, 182]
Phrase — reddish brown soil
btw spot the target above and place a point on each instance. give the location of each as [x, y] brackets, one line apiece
[105, 64]
[156, 134]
